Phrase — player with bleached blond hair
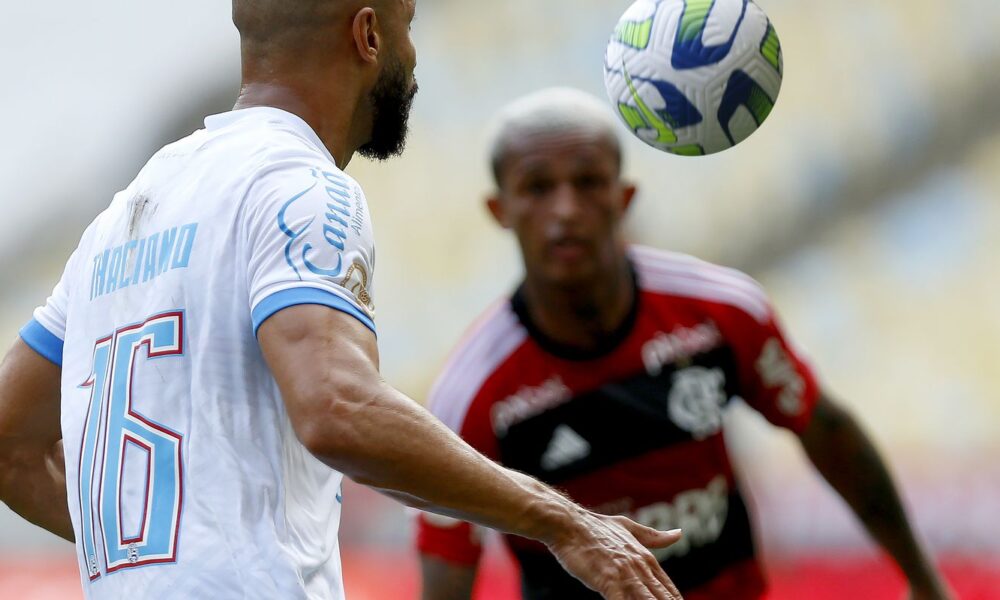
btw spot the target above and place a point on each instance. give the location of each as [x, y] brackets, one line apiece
[607, 371]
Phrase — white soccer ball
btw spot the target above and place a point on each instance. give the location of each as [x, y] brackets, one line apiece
[693, 77]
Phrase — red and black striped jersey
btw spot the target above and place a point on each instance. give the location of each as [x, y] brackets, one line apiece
[634, 428]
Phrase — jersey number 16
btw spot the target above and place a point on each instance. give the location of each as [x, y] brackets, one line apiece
[123, 452]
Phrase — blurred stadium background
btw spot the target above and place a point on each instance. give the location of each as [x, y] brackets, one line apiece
[867, 205]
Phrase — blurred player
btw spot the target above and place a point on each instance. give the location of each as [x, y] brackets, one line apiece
[214, 338]
[607, 372]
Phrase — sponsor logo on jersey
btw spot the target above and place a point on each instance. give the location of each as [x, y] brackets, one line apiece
[701, 513]
[681, 343]
[309, 247]
[696, 400]
[142, 260]
[358, 220]
[528, 402]
[776, 370]
[566, 447]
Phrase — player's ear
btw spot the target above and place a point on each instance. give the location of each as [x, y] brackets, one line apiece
[367, 38]
[495, 206]
[628, 194]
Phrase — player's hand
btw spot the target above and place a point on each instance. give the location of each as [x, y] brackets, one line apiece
[610, 556]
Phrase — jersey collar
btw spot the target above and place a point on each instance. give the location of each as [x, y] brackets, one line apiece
[274, 115]
[609, 344]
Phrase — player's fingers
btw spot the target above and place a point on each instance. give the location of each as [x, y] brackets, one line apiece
[675, 594]
[658, 582]
[649, 537]
[654, 591]
[657, 572]
[633, 591]
[614, 594]
[627, 584]
[672, 593]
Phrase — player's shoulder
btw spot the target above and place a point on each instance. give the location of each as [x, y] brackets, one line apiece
[485, 347]
[682, 277]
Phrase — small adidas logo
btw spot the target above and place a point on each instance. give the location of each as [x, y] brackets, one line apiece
[566, 447]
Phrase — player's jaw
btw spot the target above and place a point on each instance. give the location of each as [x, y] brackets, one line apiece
[391, 100]
[575, 254]
[568, 249]
[566, 252]
[570, 261]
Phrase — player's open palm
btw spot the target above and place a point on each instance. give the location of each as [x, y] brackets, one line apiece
[610, 556]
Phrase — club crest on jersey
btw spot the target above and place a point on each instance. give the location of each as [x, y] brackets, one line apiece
[309, 243]
[697, 395]
[356, 282]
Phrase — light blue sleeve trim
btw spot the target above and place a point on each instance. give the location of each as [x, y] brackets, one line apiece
[43, 341]
[305, 295]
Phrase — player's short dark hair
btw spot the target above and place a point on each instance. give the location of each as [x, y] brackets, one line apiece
[265, 22]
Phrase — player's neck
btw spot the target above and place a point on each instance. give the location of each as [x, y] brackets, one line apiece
[330, 120]
[582, 317]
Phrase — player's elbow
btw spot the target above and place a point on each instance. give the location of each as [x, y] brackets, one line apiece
[16, 452]
[16, 460]
[333, 425]
[323, 439]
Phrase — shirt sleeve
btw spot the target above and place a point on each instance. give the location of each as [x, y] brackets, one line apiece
[310, 241]
[45, 333]
[775, 377]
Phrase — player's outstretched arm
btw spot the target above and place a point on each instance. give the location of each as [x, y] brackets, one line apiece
[32, 474]
[848, 460]
[326, 366]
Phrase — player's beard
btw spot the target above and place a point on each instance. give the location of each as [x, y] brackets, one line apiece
[391, 101]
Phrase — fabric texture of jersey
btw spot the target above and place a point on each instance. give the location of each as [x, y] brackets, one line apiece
[634, 428]
[184, 476]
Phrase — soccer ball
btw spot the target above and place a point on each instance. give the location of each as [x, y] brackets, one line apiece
[693, 77]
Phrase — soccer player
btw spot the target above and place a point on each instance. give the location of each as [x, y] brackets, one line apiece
[607, 371]
[208, 358]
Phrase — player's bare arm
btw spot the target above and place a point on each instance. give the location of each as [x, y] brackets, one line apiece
[849, 461]
[32, 480]
[326, 366]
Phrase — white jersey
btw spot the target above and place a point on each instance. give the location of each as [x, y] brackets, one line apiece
[184, 477]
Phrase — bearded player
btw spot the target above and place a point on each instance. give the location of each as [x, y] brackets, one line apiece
[607, 371]
[208, 359]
